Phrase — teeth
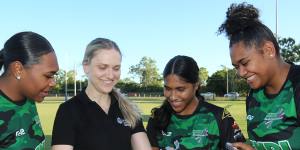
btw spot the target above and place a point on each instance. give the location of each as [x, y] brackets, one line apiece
[176, 103]
[107, 81]
[250, 78]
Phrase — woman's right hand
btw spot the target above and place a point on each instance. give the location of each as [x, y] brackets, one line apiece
[242, 146]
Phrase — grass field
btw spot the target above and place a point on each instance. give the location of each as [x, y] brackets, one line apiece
[48, 108]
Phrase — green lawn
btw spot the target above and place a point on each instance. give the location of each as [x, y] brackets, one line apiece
[48, 108]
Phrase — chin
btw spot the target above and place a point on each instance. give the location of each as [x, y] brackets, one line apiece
[39, 100]
[177, 111]
[254, 86]
[107, 90]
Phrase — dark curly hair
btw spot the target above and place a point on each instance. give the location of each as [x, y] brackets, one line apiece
[242, 24]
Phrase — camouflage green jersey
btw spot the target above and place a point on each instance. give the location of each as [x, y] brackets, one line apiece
[209, 127]
[272, 120]
[20, 127]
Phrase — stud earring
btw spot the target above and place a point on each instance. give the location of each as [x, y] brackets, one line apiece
[18, 77]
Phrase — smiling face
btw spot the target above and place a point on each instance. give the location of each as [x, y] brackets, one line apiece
[103, 70]
[180, 94]
[251, 64]
[37, 80]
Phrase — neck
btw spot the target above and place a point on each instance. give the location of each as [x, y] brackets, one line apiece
[95, 95]
[192, 106]
[9, 86]
[279, 77]
[102, 99]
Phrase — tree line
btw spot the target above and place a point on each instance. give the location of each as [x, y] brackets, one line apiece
[145, 77]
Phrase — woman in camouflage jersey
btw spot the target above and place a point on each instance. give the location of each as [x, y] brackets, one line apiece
[185, 120]
[29, 64]
[273, 103]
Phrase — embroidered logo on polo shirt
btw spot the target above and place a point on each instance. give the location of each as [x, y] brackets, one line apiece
[122, 122]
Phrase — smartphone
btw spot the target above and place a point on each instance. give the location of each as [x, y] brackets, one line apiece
[230, 147]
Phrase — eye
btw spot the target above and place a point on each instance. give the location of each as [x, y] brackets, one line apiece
[101, 67]
[117, 68]
[245, 63]
[49, 76]
[167, 88]
[181, 89]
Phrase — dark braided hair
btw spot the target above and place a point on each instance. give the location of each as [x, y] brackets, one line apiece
[26, 47]
[187, 69]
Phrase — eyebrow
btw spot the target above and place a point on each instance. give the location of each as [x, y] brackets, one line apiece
[53, 72]
[101, 64]
[239, 61]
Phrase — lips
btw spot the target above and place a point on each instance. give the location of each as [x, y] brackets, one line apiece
[250, 78]
[44, 94]
[175, 104]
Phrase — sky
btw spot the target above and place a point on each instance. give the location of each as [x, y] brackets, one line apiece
[159, 29]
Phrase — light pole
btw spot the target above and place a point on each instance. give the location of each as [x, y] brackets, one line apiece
[226, 79]
[226, 69]
[75, 79]
[276, 28]
[66, 86]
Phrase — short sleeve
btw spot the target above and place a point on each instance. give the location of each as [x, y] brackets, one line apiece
[297, 102]
[230, 131]
[139, 127]
[63, 130]
[152, 133]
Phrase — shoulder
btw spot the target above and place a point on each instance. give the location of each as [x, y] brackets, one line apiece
[73, 102]
[294, 74]
[212, 108]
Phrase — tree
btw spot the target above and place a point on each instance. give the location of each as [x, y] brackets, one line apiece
[203, 75]
[289, 50]
[217, 82]
[60, 80]
[127, 85]
[147, 72]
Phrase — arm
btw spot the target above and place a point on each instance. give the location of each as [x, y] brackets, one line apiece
[230, 131]
[63, 133]
[151, 133]
[62, 147]
[242, 146]
[139, 141]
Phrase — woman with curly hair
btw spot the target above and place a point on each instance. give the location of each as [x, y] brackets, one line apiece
[273, 103]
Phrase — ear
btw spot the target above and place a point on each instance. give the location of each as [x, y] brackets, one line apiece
[17, 69]
[197, 86]
[269, 50]
[86, 68]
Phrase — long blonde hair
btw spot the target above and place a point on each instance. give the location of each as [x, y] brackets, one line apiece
[128, 109]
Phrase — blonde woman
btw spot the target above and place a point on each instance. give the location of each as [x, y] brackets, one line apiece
[99, 117]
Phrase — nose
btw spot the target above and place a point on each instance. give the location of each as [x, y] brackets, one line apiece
[242, 71]
[109, 73]
[172, 95]
[52, 82]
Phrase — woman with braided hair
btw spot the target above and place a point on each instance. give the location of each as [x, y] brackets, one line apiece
[273, 102]
[185, 120]
[29, 64]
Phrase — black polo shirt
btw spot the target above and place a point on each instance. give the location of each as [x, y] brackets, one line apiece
[82, 123]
